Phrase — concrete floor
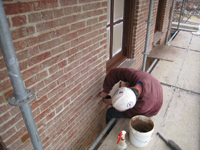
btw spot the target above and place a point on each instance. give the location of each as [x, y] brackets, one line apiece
[179, 117]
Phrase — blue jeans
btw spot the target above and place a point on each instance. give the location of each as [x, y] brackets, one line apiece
[113, 113]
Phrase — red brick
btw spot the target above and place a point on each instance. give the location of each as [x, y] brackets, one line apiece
[52, 61]
[84, 30]
[86, 1]
[58, 13]
[42, 75]
[63, 78]
[57, 50]
[53, 69]
[53, 77]
[39, 58]
[8, 133]
[31, 71]
[49, 45]
[47, 25]
[19, 20]
[45, 90]
[68, 2]
[25, 137]
[23, 65]
[10, 123]
[3, 74]
[85, 15]
[38, 86]
[59, 108]
[50, 116]
[2, 63]
[67, 20]
[47, 15]
[77, 25]
[32, 51]
[78, 41]
[104, 4]
[69, 37]
[92, 21]
[77, 9]
[42, 115]
[56, 90]
[41, 5]
[19, 45]
[34, 17]
[68, 11]
[22, 55]
[102, 18]
[5, 117]
[62, 64]
[87, 7]
[14, 145]
[22, 32]
[8, 22]
[27, 145]
[16, 8]
[36, 104]
[1, 100]
[60, 32]
[30, 81]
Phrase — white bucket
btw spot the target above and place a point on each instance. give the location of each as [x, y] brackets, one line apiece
[141, 129]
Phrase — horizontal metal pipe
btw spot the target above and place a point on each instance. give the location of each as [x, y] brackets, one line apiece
[188, 14]
[172, 37]
[152, 65]
[94, 144]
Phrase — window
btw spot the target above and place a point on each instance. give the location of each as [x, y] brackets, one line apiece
[119, 31]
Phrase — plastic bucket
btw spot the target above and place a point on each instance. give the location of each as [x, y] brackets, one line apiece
[141, 129]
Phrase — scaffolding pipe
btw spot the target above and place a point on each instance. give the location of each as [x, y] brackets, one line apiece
[170, 21]
[172, 37]
[152, 65]
[94, 144]
[147, 35]
[21, 96]
[180, 14]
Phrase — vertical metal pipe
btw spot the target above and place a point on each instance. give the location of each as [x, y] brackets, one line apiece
[21, 96]
[184, 9]
[180, 14]
[147, 35]
[170, 21]
[94, 144]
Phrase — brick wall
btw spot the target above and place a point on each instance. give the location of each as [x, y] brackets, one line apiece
[165, 22]
[61, 50]
[140, 28]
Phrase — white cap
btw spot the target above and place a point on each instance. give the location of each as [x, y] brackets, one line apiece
[124, 99]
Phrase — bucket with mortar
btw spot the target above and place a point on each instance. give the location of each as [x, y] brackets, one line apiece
[141, 129]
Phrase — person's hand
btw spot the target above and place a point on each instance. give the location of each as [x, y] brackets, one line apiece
[103, 94]
[107, 101]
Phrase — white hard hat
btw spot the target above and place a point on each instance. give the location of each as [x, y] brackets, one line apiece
[124, 99]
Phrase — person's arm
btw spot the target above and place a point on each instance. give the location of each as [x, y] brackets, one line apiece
[115, 75]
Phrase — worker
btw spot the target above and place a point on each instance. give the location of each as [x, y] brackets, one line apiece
[142, 96]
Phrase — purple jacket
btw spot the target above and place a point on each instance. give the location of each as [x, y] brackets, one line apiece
[151, 98]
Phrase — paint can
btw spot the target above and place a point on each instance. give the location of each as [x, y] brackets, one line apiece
[141, 129]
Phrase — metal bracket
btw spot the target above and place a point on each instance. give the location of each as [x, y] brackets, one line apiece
[149, 21]
[15, 102]
[147, 53]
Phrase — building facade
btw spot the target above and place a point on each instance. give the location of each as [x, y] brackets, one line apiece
[64, 50]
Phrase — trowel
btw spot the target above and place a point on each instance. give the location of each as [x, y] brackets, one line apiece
[171, 144]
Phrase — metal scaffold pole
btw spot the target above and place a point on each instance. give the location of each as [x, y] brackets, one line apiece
[21, 96]
[145, 53]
